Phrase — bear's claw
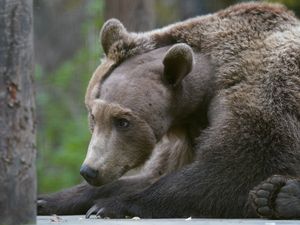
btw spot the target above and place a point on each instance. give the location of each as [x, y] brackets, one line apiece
[108, 208]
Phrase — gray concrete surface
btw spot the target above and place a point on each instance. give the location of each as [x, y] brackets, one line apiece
[80, 220]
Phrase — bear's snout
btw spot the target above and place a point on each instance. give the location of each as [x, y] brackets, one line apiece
[88, 173]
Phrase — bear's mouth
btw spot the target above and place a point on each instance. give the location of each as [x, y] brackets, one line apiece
[94, 182]
[100, 180]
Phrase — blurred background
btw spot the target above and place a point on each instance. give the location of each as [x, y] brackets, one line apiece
[66, 53]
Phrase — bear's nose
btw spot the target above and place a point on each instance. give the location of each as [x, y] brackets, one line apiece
[88, 173]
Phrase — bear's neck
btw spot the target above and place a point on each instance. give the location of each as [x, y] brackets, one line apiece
[194, 95]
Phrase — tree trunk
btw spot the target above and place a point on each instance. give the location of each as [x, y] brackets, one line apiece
[17, 108]
[136, 15]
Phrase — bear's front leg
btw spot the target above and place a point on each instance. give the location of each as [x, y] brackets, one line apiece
[172, 196]
[78, 199]
[74, 200]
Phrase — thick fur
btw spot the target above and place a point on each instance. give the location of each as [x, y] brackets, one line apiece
[254, 127]
[253, 130]
[174, 147]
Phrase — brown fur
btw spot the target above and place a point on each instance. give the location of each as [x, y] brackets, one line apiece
[171, 153]
[122, 103]
[231, 23]
[255, 49]
[173, 148]
[250, 91]
[93, 87]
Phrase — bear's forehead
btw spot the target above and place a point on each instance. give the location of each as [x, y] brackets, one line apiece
[110, 71]
[136, 83]
[143, 61]
[135, 95]
[102, 108]
[134, 78]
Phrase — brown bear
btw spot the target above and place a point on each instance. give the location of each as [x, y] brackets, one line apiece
[231, 88]
[127, 132]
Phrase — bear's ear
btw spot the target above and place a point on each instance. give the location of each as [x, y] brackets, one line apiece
[112, 31]
[178, 62]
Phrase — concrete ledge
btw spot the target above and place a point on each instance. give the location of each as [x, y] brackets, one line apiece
[80, 220]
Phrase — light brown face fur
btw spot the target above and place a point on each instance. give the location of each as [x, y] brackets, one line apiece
[129, 117]
[115, 146]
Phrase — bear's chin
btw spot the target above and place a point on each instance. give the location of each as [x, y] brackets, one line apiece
[95, 183]
[99, 181]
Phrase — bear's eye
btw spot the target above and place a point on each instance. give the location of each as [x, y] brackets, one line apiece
[121, 123]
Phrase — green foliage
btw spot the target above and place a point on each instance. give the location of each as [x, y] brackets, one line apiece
[291, 4]
[63, 133]
[166, 11]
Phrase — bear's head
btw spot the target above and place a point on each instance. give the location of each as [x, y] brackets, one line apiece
[132, 103]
